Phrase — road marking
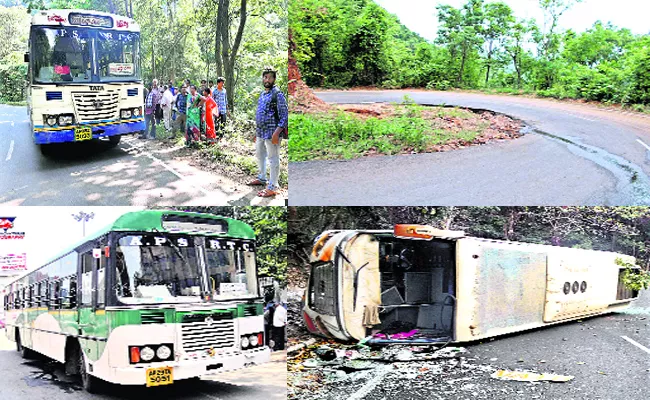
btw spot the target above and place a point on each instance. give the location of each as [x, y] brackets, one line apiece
[643, 144]
[11, 150]
[168, 168]
[639, 345]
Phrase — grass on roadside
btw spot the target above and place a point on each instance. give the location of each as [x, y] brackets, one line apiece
[344, 136]
[236, 151]
[13, 103]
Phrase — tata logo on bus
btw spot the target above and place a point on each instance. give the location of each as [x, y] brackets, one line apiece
[96, 88]
[90, 20]
[7, 223]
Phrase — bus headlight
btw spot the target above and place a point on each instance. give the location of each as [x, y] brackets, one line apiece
[126, 114]
[65, 120]
[244, 342]
[253, 340]
[136, 112]
[147, 354]
[163, 352]
[50, 119]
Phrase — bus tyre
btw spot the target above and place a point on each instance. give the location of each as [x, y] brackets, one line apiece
[46, 150]
[89, 382]
[114, 140]
[24, 351]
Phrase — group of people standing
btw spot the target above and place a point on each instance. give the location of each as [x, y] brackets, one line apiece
[196, 111]
[202, 112]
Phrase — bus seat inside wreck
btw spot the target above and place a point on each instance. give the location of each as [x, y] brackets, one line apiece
[417, 287]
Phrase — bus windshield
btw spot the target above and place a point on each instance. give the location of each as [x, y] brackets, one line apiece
[157, 269]
[62, 55]
[117, 56]
[231, 270]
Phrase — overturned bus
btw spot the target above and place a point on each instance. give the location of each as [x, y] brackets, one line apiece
[418, 285]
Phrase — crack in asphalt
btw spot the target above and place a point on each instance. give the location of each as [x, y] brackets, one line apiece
[632, 183]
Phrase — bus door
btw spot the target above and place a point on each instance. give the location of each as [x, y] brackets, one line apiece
[93, 326]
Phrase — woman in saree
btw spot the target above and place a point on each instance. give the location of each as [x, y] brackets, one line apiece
[193, 116]
[211, 110]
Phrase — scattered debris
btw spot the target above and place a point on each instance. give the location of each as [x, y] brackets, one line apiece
[524, 376]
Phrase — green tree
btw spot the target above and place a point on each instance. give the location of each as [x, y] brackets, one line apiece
[498, 21]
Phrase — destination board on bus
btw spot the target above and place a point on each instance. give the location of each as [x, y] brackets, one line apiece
[90, 20]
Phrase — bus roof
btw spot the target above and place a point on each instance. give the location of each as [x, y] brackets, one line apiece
[85, 19]
[152, 221]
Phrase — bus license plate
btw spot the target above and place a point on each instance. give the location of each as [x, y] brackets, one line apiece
[82, 134]
[160, 376]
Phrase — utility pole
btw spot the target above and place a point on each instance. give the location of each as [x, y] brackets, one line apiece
[83, 217]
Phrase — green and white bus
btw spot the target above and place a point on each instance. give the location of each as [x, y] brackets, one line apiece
[156, 297]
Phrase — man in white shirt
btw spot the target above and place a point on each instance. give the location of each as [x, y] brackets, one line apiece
[167, 102]
[279, 322]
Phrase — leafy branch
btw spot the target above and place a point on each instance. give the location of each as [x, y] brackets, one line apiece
[633, 277]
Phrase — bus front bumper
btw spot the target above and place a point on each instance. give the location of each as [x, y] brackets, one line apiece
[186, 369]
[43, 135]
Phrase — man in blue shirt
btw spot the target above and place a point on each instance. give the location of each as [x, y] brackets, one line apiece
[219, 95]
[271, 118]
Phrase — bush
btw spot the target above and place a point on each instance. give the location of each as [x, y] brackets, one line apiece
[12, 82]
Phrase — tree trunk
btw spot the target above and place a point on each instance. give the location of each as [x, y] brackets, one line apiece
[230, 55]
[462, 67]
[217, 36]
[489, 65]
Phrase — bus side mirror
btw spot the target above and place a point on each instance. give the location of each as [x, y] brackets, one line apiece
[26, 58]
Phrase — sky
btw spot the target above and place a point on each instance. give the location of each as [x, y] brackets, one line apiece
[50, 230]
[421, 16]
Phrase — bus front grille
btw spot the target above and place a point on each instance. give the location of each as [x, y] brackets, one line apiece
[92, 107]
[201, 336]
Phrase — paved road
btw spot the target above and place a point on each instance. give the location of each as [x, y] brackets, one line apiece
[574, 155]
[38, 379]
[594, 351]
[92, 174]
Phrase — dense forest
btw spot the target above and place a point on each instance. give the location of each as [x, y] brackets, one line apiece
[620, 229]
[270, 226]
[481, 45]
[195, 39]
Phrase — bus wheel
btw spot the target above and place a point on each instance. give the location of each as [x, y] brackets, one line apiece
[89, 382]
[114, 140]
[46, 150]
[24, 351]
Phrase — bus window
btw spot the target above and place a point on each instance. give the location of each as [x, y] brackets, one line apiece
[321, 288]
[154, 273]
[54, 295]
[101, 290]
[117, 56]
[231, 271]
[61, 55]
[46, 293]
[87, 261]
[68, 292]
[37, 295]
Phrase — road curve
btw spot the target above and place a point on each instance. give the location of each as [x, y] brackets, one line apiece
[574, 154]
[90, 173]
